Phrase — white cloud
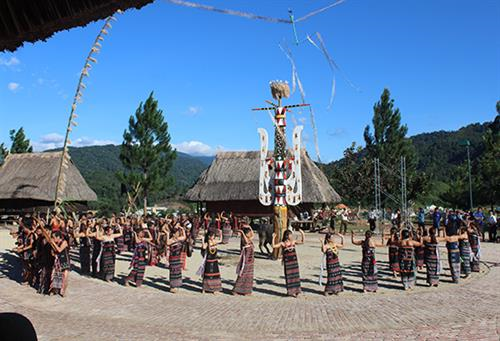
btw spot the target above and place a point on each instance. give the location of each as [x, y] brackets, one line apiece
[12, 61]
[193, 110]
[13, 86]
[55, 140]
[85, 141]
[197, 148]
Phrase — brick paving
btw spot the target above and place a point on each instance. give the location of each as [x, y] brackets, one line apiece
[95, 310]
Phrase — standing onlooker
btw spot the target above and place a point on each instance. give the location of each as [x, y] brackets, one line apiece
[436, 220]
[421, 218]
[479, 220]
[493, 224]
[372, 219]
[345, 220]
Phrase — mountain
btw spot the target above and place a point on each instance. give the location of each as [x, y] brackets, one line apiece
[99, 164]
[439, 152]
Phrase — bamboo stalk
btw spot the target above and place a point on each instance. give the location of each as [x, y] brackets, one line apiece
[65, 158]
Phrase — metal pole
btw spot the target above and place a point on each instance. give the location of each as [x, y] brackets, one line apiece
[470, 178]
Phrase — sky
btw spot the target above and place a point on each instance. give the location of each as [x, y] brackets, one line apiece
[439, 59]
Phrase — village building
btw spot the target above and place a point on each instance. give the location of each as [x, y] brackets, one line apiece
[231, 184]
[28, 183]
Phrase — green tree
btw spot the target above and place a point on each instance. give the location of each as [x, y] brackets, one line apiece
[3, 152]
[350, 176]
[388, 142]
[146, 153]
[488, 165]
[20, 144]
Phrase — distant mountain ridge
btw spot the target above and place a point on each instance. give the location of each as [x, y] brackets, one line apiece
[438, 154]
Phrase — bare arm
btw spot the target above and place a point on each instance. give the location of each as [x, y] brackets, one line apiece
[302, 237]
[355, 242]
[276, 245]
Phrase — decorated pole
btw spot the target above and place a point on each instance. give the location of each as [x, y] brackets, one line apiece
[280, 180]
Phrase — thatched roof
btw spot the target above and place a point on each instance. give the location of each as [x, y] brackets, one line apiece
[33, 20]
[235, 176]
[33, 176]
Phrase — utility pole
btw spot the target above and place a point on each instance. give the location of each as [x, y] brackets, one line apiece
[466, 143]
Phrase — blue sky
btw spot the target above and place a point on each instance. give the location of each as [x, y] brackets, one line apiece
[440, 59]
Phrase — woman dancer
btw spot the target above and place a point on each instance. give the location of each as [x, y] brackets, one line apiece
[244, 282]
[60, 270]
[227, 230]
[368, 262]
[82, 236]
[407, 263]
[330, 249]
[138, 263]
[419, 250]
[454, 254]
[475, 246]
[175, 241]
[393, 244]
[465, 253]
[108, 256]
[432, 257]
[211, 274]
[290, 261]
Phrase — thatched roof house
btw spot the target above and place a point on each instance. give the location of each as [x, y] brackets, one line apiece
[33, 20]
[231, 183]
[29, 180]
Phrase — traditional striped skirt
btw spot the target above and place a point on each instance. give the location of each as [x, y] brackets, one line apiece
[175, 265]
[432, 263]
[138, 264]
[184, 256]
[334, 283]
[57, 276]
[369, 269]
[474, 245]
[394, 258]
[227, 232]
[420, 256]
[465, 257]
[211, 275]
[108, 260]
[292, 274]
[244, 282]
[407, 267]
[454, 260]
[120, 244]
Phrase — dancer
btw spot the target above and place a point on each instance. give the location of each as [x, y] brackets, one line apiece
[432, 257]
[227, 231]
[83, 237]
[419, 250]
[60, 270]
[368, 262]
[139, 262]
[454, 254]
[290, 261]
[393, 244]
[244, 282]
[25, 249]
[407, 264]
[465, 253]
[475, 245]
[108, 249]
[175, 241]
[211, 274]
[330, 249]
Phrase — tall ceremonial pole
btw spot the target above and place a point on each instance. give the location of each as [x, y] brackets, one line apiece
[280, 180]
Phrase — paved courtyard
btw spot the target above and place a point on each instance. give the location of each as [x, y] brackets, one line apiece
[95, 310]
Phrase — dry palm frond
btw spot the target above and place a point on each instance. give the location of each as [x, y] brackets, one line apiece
[61, 176]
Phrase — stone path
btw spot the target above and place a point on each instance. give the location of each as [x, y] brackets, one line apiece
[95, 310]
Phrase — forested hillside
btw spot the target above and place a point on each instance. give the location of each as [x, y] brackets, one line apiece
[99, 165]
